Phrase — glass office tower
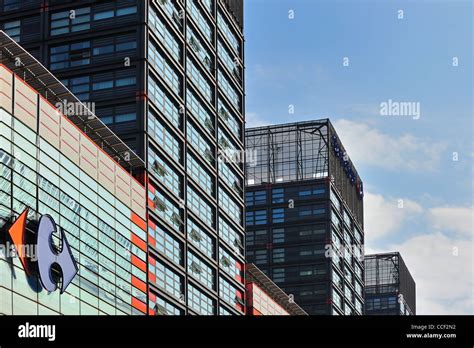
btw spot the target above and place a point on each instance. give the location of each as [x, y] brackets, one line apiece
[304, 215]
[167, 77]
[389, 286]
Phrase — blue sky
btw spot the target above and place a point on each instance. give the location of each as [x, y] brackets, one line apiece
[404, 160]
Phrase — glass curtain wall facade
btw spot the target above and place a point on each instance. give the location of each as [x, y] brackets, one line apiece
[194, 114]
[304, 218]
[389, 286]
[167, 77]
[49, 166]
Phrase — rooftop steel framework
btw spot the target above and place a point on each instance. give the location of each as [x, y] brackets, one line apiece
[288, 152]
[387, 273]
[302, 151]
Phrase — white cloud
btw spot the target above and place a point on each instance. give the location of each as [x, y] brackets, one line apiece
[444, 281]
[371, 147]
[457, 219]
[440, 263]
[383, 216]
[253, 120]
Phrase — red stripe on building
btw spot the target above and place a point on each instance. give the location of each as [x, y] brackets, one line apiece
[134, 200]
[137, 192]
[151, 261]
[28, 112]
[105, 165]
[106, 177]
[90, 163]
[138, 284]
[151, 188]
[24, 96]
[70, 146]
[70, 134]
[7, 82]
[152, 297]
[126, 183]
[45, 126]
[138, 242]
[138, 263]
[139, 305]
[121, 189]
[138, 221]
[7, 96]
[47, 114]
[151, 204]
[85, 147]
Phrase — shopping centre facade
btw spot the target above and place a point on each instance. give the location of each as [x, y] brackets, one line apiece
[50, 168]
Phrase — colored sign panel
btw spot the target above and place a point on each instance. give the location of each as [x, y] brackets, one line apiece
[347, 165]
[48, 256]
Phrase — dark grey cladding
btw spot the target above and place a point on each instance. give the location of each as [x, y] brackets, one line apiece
[237, 9]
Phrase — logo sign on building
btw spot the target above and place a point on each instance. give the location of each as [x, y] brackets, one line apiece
[47, 254]
[346, 164]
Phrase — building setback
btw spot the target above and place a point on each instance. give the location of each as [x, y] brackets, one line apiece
[389, 286]
[304, 198]
[167, 78]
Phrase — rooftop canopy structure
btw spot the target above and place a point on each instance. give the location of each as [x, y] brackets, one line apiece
[299, 152]
[387, 274]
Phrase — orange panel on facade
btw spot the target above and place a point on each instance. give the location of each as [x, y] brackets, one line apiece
[139, 221]
[138, 242]
[138, 284]
[139, 263]
[139, 305]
